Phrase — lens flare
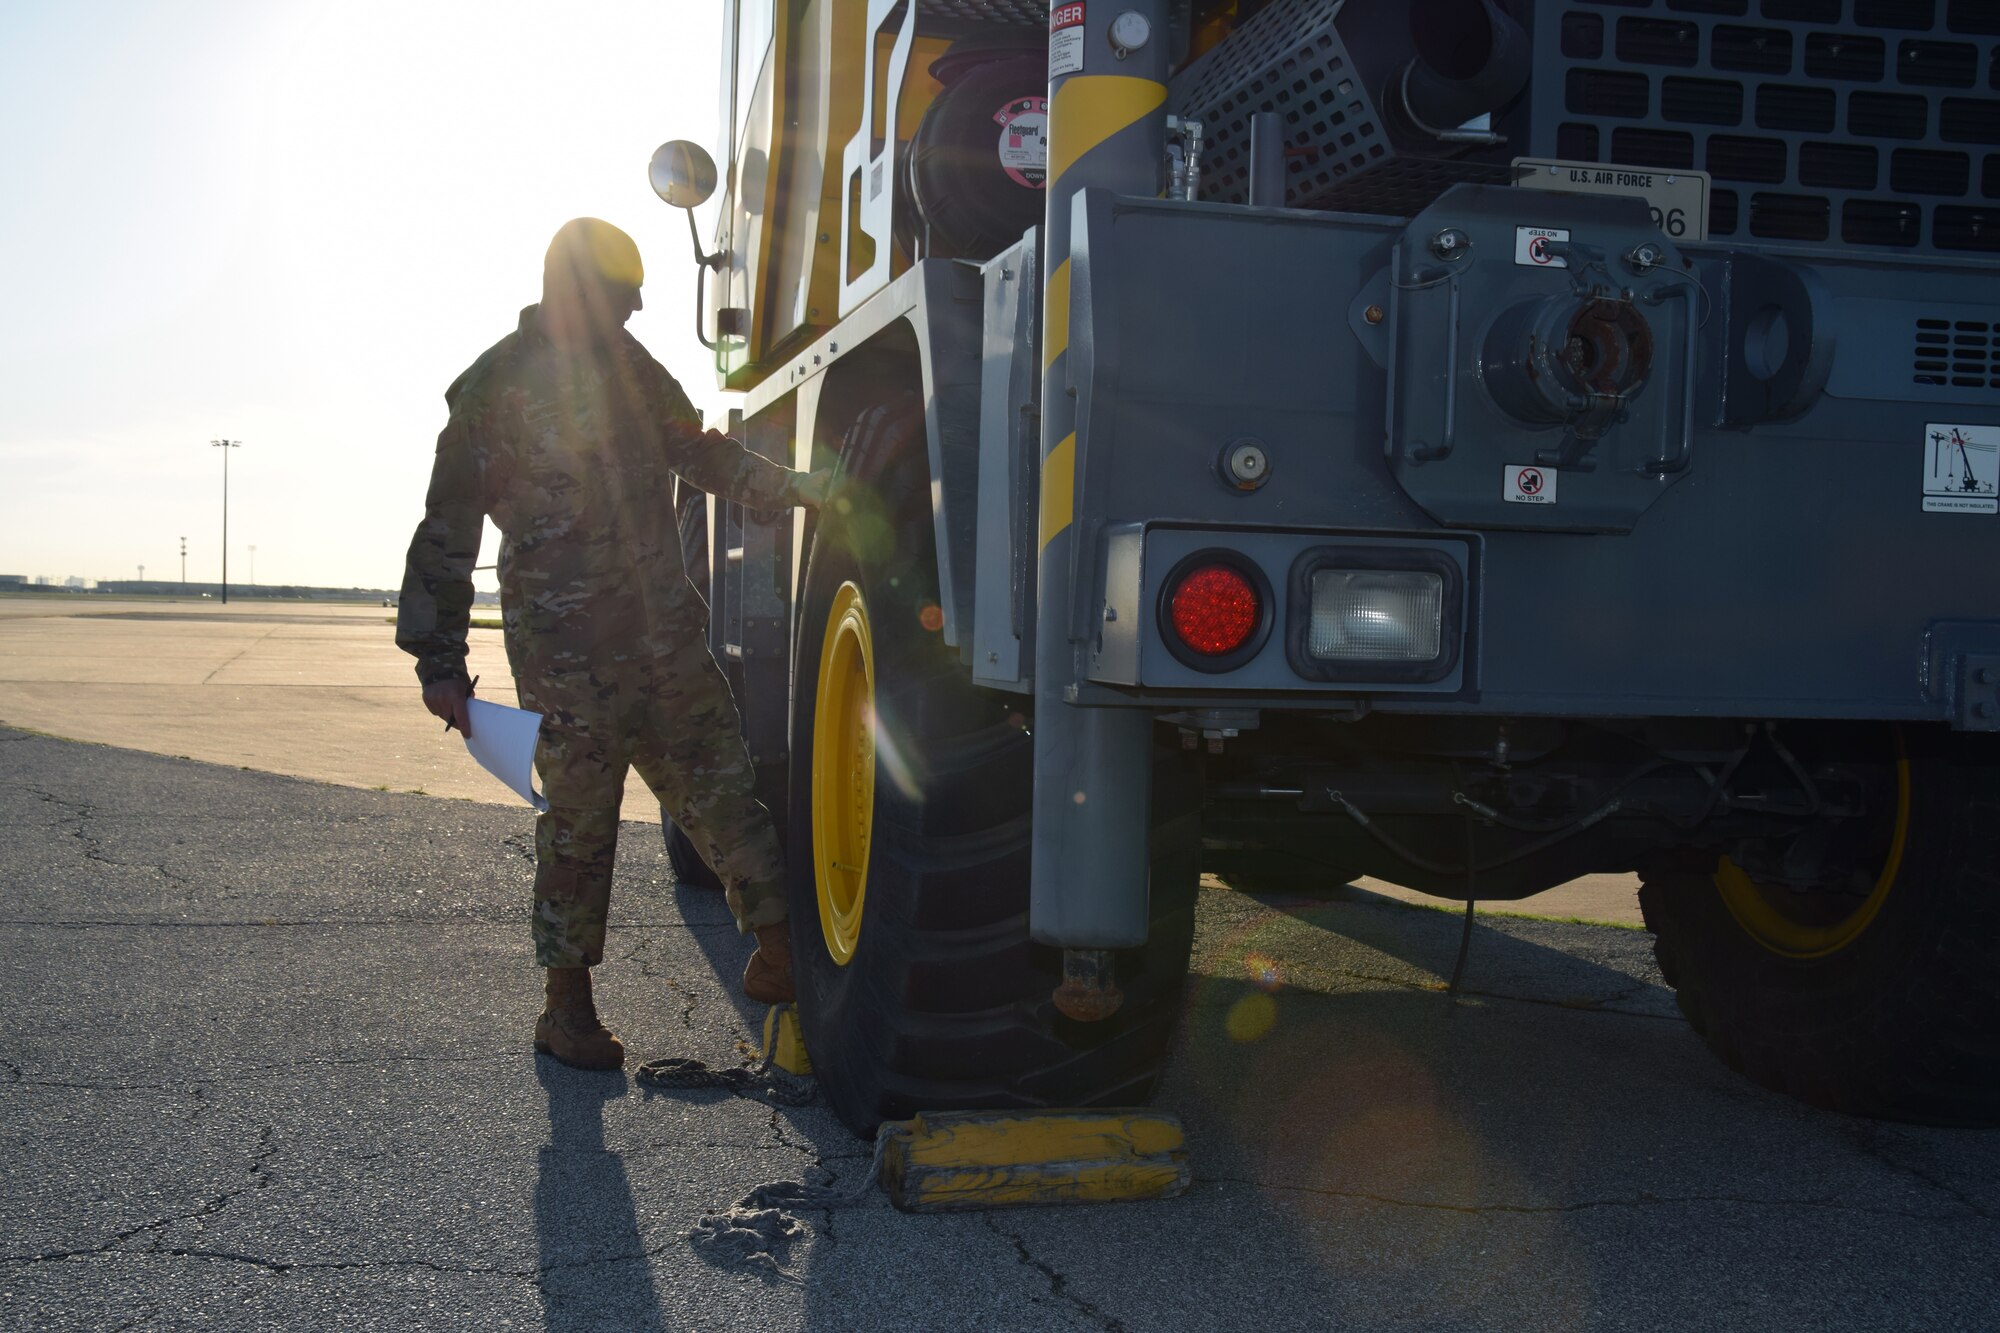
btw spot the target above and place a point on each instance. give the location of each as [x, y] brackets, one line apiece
[891, 761]
[1251, 1017]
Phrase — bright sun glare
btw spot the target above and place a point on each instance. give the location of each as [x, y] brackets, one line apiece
[294, 225]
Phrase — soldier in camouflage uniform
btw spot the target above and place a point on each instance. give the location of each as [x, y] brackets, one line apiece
[568, 433]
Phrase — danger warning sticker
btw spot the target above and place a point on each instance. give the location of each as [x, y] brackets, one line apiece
[1065, 40]
[1531, 246]
[1961, 469]
[1529, 486]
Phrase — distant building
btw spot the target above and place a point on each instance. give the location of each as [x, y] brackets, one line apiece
[13, 580]
[76, 581]
[260, 592]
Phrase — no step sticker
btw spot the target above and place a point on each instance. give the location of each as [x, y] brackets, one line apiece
[1534, 246]
[1529, 486]
[1961, 469]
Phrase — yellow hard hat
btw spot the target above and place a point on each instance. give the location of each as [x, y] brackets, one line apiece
[593, 247]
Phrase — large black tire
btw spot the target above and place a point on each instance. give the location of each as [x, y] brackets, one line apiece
[972, 201]
[1894, 1014]
[689, 869]
[944, 1001]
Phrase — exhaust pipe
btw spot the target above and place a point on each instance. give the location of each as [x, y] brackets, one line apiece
[1471, 59]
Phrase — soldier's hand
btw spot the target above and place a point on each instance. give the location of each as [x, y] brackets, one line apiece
[814, 488]
[446, 699]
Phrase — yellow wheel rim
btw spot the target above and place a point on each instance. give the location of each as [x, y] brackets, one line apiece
[1767, 917]
[843, 771]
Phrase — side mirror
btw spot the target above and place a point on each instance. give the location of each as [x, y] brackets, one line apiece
[682, 173]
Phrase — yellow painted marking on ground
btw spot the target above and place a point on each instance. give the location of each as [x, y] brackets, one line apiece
[1089, 109]
[1058, 489]
[1055, 315]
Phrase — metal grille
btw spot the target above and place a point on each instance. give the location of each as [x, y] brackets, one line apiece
[1862, 122]
[1962, 354]
[1026, 13]
[1287, 59]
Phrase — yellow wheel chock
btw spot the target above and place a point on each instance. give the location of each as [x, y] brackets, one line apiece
[956, 1161]
[959, 1161]
[784, 1043]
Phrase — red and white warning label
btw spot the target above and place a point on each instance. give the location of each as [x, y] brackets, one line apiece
[1961, 469]
[1024, 140]
[1065, 39]
[1532, 246]
[1529, 486]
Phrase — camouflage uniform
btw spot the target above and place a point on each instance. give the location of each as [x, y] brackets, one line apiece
[572, 452]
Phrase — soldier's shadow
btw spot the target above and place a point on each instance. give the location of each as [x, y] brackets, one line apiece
[595, 1269]
[726, 951]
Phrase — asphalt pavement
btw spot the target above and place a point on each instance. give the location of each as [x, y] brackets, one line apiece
[265, 1063]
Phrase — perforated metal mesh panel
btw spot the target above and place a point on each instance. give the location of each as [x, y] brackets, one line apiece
[1861, 122]
[1290, 60]
[1025, 13]
[1964, 354]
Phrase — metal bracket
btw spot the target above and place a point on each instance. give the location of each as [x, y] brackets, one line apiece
[1978, 693]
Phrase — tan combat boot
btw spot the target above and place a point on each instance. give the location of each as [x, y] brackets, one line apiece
[768, 978]
[569, 1029]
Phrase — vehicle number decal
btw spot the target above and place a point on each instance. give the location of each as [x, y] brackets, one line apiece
[1531, 246]
[1529, 486]
[1961, 469]
[1024, 140]
[1065, 40]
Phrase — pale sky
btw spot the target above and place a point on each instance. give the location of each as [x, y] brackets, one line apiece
[293, 224]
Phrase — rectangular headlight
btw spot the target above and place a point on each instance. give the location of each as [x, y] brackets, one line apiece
[1376, 615]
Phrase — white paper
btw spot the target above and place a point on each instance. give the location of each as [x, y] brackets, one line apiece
[503, 741]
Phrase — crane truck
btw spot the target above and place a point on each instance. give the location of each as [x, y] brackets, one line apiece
[1469, 442]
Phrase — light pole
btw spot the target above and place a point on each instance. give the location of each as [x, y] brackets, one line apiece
[225, 446]
[253, 566]
[184, 566]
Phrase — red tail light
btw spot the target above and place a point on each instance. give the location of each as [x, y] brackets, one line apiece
[1214, 609]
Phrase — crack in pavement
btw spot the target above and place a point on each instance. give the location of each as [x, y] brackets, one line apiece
[535, 1276]
[1644, 1199]
[258, 1180]
[254, 643]
[195, 1085]
[691, 1000]
[1057, 1282]
[779, 1139]
[81, 813]
[1870, 1139]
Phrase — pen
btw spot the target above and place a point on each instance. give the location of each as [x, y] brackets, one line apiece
[468, 694]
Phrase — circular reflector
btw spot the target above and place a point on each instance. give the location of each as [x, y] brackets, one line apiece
[1214, 609]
